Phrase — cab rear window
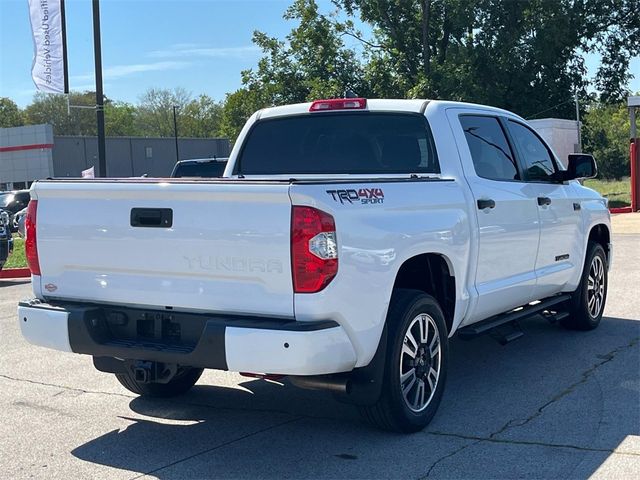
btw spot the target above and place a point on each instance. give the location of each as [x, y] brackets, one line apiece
[342, 143]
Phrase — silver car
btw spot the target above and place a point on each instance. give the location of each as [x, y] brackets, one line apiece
[18, 221]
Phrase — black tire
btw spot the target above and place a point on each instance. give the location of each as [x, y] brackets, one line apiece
[392, 411]
[181, 383]
[582, 314]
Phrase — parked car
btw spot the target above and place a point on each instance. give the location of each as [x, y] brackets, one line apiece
[200, 168]
[348, 242]
[6, 240]
[13, 202]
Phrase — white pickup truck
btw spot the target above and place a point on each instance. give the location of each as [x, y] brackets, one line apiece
[347, 242]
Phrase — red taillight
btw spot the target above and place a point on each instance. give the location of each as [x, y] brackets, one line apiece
[338, 104]
[314, 251]
[31, 242]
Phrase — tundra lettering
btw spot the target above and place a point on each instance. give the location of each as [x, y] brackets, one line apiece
[235, 264]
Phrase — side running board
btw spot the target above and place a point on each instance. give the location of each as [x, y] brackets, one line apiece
[485, 326]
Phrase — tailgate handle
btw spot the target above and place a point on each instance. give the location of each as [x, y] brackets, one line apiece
[152, 217]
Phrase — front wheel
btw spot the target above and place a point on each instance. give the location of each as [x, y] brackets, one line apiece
[587, 302]
[415, 366]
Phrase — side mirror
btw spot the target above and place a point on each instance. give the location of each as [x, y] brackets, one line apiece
[580, 165]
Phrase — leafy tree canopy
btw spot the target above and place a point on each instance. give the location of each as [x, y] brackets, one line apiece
[10, 114]
[605, 134]
[53, 109]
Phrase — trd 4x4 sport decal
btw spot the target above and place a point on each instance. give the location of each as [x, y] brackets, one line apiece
[362, 195]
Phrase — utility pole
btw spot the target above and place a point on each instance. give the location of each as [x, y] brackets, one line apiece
[97, 48]
[175, 131]
[578, 124]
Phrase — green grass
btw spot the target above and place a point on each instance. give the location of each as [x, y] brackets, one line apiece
[617, 191]
[17, 259]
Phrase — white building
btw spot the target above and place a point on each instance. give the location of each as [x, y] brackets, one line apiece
[25, 155]
[561, 135]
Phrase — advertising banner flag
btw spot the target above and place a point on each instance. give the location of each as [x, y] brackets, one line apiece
[49, 70]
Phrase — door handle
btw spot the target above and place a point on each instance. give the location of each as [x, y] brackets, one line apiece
[486, 203]
[151, 217]
[544, 201]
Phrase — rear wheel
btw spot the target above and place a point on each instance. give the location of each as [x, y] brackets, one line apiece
[184, 379]
[415, 365]
[587, 302]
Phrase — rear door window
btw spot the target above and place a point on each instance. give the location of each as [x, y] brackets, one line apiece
[492, 157]
[342, 143]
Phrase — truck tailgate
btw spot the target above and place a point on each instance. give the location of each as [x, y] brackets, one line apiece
[227, 249]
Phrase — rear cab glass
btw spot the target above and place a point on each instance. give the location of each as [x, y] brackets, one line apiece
[339, 143]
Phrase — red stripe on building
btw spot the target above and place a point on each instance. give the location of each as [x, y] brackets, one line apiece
[17, 148]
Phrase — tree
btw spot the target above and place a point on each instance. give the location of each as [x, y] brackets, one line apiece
[154, 116]
[523, 55]
[606, 134]
[10, 114]
[200, 118]
[312, 63]
[119, 119]
[52, 109]
[238, 107]
[615, 34]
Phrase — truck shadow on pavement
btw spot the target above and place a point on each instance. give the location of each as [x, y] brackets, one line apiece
[11, 283]
[555, 403]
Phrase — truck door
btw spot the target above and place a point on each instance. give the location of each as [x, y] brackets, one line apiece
[560, 251]
[507, 215]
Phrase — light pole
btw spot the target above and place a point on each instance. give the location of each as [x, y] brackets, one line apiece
[633, 103]
[102, 161]
[175, 131]
[578, 123]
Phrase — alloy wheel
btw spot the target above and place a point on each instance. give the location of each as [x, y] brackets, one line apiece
[420, 362]
[595, 287]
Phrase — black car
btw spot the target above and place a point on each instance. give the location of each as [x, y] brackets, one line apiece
[13, 202]
[200, 168]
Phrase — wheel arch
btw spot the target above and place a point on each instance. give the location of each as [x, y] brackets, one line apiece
[433, 274]
[601, 234]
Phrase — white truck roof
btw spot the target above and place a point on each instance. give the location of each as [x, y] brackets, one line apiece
[381, 105]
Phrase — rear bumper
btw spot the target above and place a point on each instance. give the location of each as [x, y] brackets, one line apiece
[241, 344]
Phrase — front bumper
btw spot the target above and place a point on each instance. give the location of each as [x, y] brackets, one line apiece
[224, 342]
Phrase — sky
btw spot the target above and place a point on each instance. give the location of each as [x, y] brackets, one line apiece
[201, 46]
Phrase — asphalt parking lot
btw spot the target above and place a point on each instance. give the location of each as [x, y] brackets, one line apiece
[554, 404]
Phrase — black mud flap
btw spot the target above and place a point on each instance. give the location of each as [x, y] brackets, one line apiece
[366, 382]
